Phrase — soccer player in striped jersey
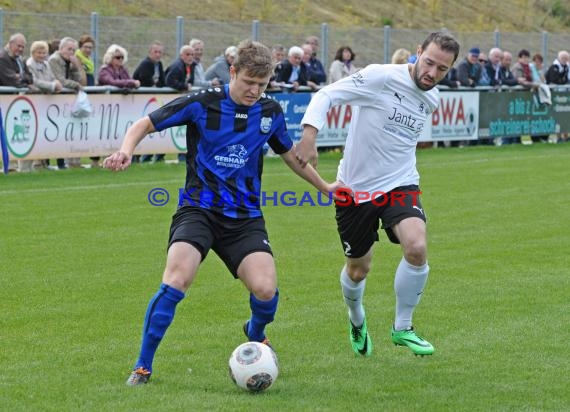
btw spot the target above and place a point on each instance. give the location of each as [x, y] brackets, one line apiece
[227, 127]
[391, 104]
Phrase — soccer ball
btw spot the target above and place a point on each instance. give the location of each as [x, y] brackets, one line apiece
[253, 366]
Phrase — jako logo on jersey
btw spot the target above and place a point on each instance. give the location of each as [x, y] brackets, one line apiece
[241, 116]
[265, 125]
[235, 158]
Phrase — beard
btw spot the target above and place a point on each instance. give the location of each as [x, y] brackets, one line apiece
[417, 79]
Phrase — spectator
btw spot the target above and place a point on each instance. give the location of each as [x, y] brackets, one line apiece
[508, 79]
[306, 61]
[557, 73]
[521, 69]
[220, 70]
[343, 64]
[199, 74]
[83, 53]
[293, 74]
[493, 66]
[180, 74]
[507, 76]
[450, 79]
[13, 70]
[469, 69]
[401, 56]
[317, 72]
[485, 79]
[150, 72]
[277, 56]
[44, 79]
[113, 72]
[67, 68]
[542, 93]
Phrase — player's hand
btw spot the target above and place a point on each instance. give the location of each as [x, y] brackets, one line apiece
[306, 152]
[339, 190]
[117, 162]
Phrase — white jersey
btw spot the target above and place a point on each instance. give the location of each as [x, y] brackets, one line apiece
[388, 114]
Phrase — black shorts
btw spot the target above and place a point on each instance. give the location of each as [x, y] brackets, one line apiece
[358, 224]
[231, 239]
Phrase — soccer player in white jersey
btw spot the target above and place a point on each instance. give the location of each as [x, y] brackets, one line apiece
[391, 104]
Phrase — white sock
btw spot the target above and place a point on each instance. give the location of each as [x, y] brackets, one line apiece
[352, 293]
[409, 285]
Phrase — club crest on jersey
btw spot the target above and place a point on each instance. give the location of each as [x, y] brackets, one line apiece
[235, 158]
[265, 125]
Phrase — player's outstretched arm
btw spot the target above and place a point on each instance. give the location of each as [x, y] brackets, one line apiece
[120, 160]
[309, 173]
[306, 149]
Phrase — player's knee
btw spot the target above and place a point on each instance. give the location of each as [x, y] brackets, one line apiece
[264, 291]
[415, 252]
[357, 272]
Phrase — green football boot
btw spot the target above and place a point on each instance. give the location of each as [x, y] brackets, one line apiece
[409, 338]
[360, 340]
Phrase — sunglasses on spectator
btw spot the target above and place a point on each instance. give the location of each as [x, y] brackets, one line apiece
[119, 57]
[482, 61]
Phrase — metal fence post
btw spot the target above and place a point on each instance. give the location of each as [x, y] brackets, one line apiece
[325, 45]
[497, 35]
[95, 35]
[179, 32]
[387, 34]
[545, 46]
[255, 30]
[1, 26]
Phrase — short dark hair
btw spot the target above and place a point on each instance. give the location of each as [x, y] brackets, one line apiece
[524, 53]
[86, 39]
[255, 58]
[445, 42]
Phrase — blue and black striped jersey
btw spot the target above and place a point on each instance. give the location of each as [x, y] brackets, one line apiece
[225, 148]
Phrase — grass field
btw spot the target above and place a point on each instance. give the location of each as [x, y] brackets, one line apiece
[82, 252]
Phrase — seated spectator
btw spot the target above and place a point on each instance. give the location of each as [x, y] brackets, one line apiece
[521, 69]
[557, 73]
[220, 70]
[113, 72]
[83, 53]
[293, 74]
[450, 79]
[13, 70]
[343, 64]
[401, 56]
[469, 69]
[180, 74]
[317, 71]
[150, 72]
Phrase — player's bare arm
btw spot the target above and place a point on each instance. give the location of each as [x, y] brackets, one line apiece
[120, 160]
[308, 173]
[306, 149]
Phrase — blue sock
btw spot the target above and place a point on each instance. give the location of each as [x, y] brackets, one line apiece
[159, 315]
[262, 313]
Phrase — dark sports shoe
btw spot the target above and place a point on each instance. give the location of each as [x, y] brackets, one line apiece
[139, 376]
[360, 340]
[409, 338]
[265, 341]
